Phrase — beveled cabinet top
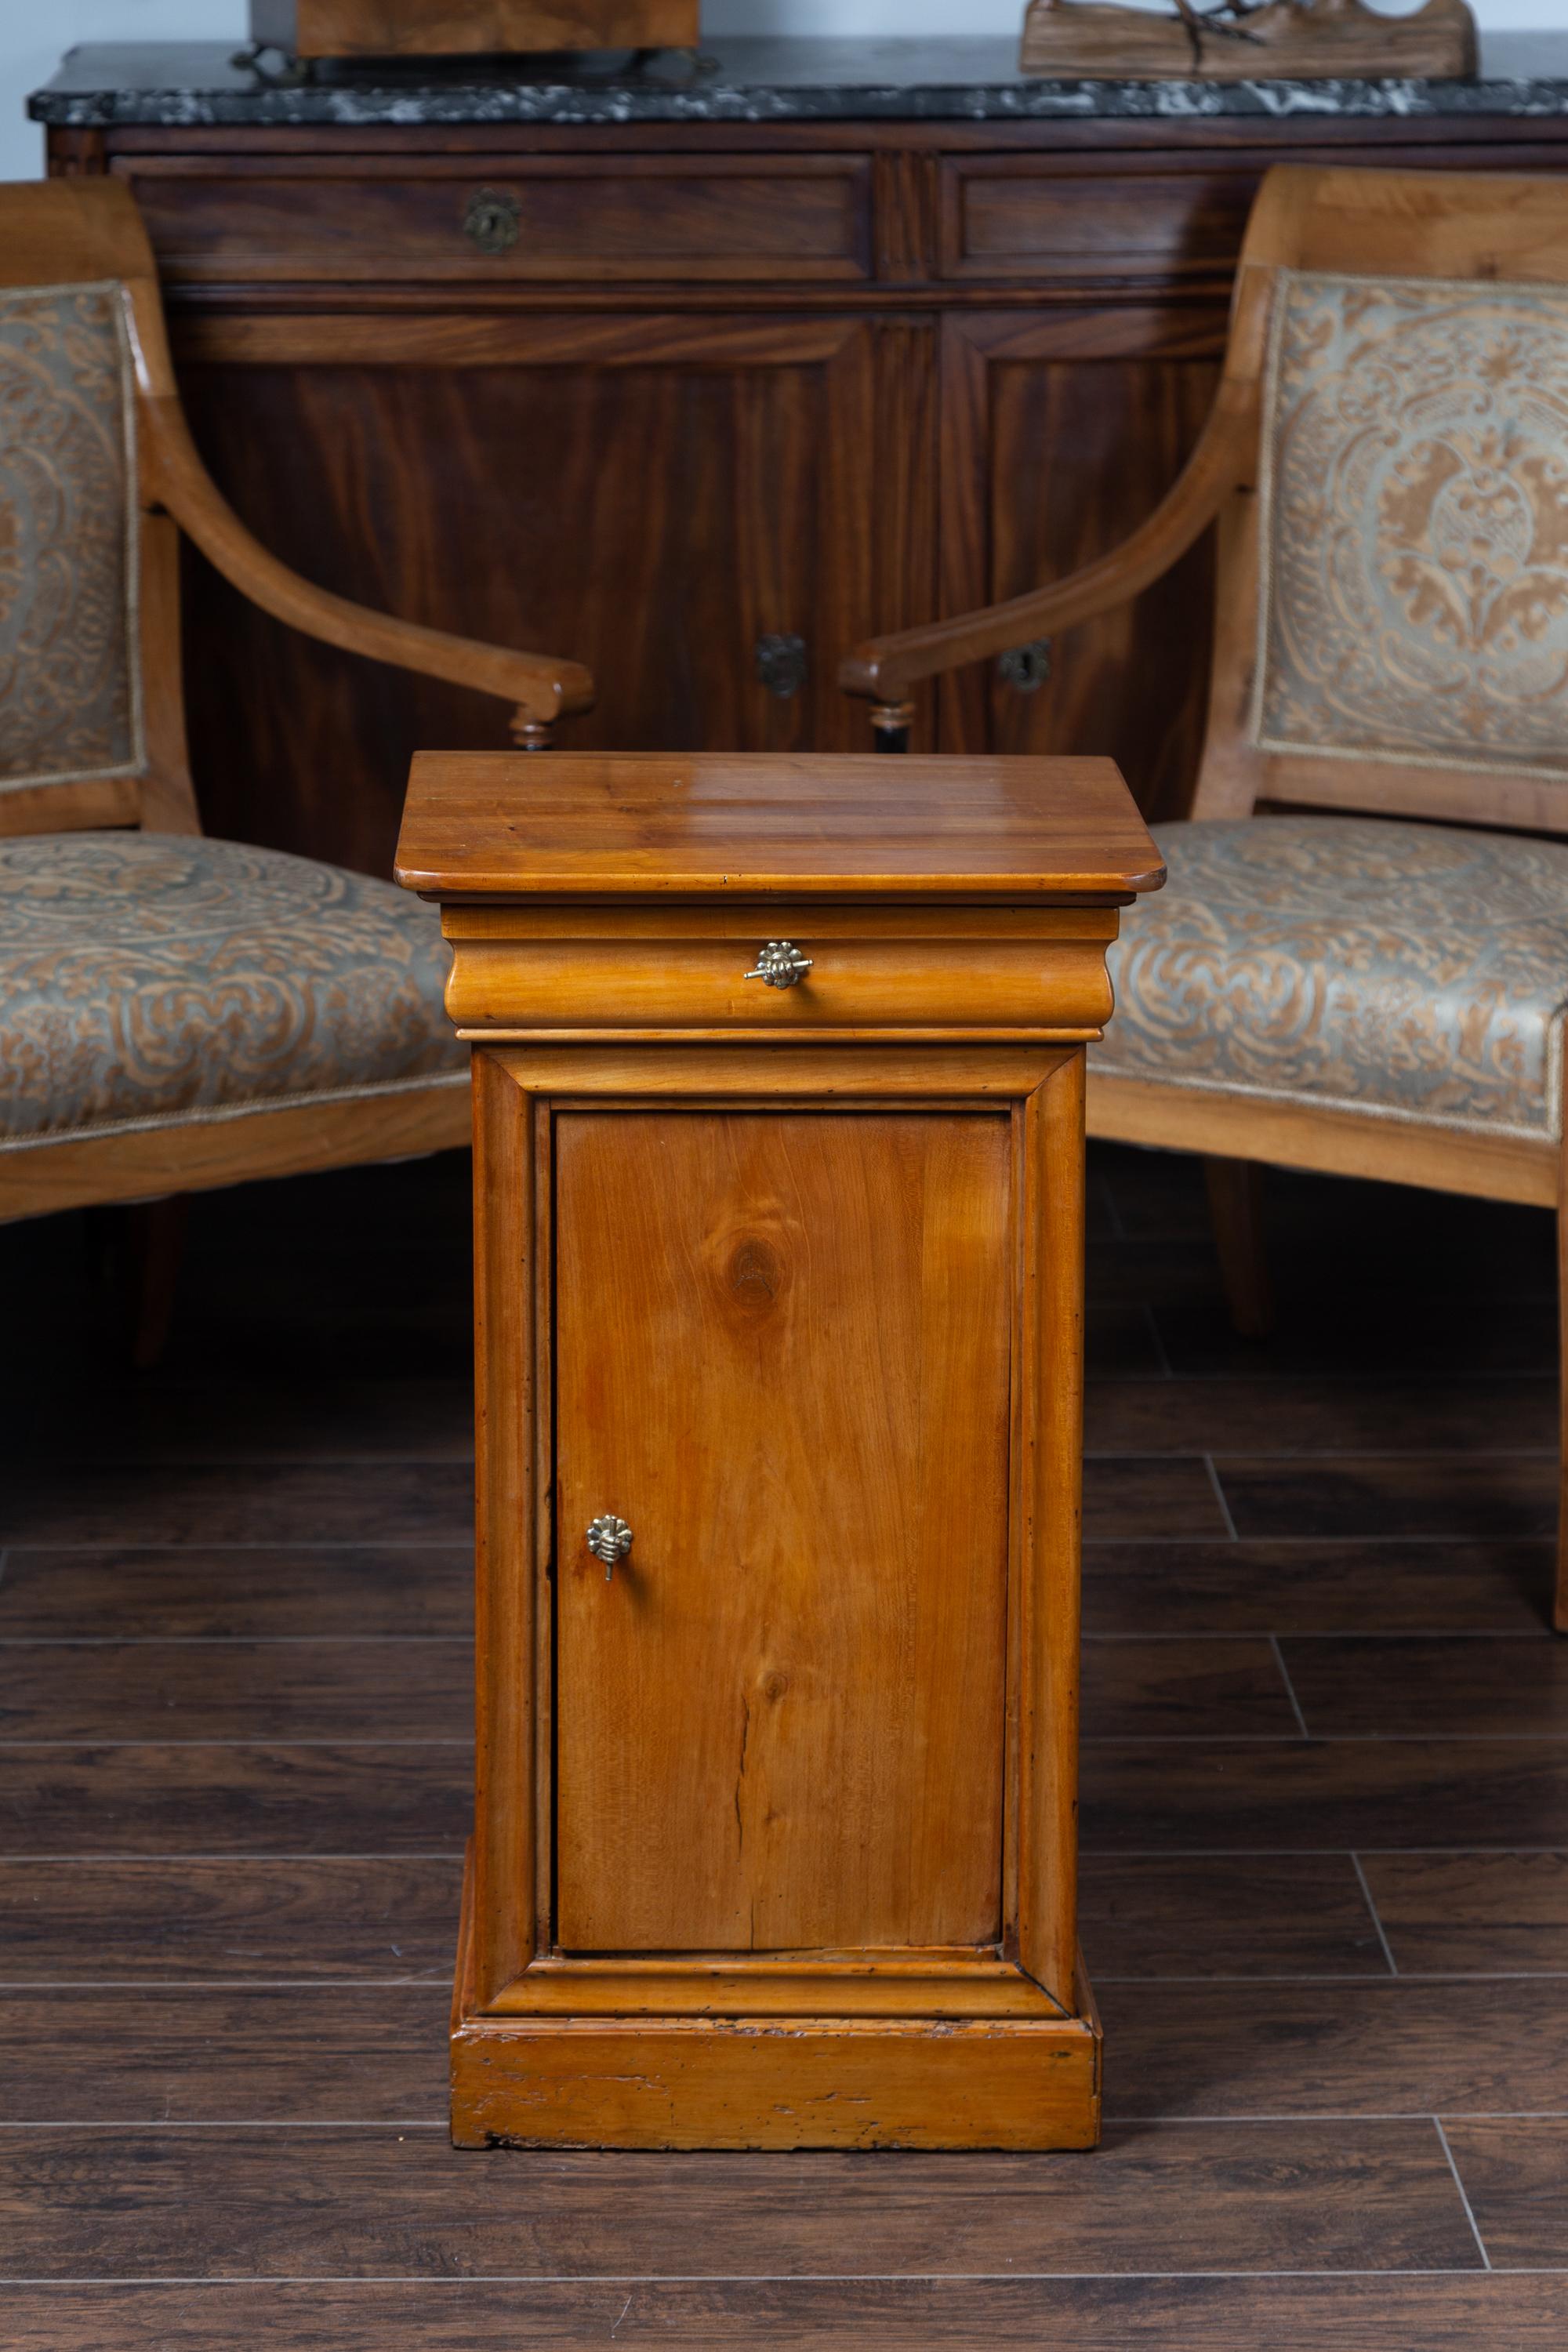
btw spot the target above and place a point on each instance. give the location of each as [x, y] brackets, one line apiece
[506, 824]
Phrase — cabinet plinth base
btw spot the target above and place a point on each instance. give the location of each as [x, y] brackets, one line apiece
[707, 2083]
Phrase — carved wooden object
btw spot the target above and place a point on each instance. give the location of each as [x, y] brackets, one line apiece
[1293, 40]
[778, 1104]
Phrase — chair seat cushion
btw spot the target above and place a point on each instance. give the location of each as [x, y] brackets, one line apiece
[153, 978]
[1405, 970]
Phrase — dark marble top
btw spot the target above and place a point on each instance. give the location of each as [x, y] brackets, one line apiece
[199, 82]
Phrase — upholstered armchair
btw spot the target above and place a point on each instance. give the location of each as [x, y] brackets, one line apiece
[1370, 978]
[176, 1012]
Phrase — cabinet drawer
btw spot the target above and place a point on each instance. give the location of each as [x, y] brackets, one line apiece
[1044, 973]
[509, 218]
[1009, 217]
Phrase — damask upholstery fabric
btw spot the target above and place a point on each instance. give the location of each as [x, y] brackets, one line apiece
[1403, 970]
[70, 697]
[1414, 520]
[148, 978]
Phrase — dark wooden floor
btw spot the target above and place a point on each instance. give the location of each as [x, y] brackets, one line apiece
[1325, 1821]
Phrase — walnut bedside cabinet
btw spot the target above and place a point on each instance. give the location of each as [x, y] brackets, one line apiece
[778, 1119]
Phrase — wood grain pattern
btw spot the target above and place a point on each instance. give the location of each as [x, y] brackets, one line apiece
[1386, 2048]
[204, 1593]
[1053, 986]
[1222, 1916]
[112, 1505]
[130, 1921]
[756, 522]
[382, 28]
[1394, 1495]
[840, 2083]
[1451, 2312]
[838, 1435]
[379, 1796]
[666, 218]
[1300, 1135]
[507, 1638]
[1513, 2175]
[1225, 1795]
[75, 1691]
[266, 2055]
[1302, 1584]
[38, 1180]
[1182, 1687]
[1180, 2198]
[1473, 1689]
[662, 825]
[1324, 1416]
[1461, 1913]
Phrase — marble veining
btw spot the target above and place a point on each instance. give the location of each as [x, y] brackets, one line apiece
[194, 84]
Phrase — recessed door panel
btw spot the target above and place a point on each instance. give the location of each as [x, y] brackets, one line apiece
[783, 1352]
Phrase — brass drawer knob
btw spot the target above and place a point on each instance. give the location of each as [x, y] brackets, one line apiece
[491, 220]
[780, 964]
[609, 1539]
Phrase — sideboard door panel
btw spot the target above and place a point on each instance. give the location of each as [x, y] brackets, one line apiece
[657, 498]
[1062, 433]
[782, 1347]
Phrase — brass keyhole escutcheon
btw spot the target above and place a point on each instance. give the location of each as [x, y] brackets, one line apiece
[492, 219]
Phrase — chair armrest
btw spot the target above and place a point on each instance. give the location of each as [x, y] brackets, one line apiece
[884, 669]
[541, 687]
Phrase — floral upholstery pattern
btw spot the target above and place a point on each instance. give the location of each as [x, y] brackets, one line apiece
[1405, 970]
[1414, 524]
[149, 978]
[70, 703]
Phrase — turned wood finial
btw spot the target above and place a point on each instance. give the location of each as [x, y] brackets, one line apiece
[892, 722]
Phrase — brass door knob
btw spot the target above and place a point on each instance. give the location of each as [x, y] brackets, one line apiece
[780, 964]
[609, 1539]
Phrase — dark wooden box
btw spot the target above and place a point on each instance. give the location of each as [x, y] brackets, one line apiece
[422, 28]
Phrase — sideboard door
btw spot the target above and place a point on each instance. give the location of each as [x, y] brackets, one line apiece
[782, 1358]
[693, 507]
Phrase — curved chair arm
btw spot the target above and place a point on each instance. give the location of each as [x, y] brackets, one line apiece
[541, 687]
[884, 669]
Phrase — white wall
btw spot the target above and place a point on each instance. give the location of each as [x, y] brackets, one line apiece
[34, 34]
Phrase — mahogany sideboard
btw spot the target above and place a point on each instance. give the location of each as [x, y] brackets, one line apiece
[700, 383]
[778, 1189]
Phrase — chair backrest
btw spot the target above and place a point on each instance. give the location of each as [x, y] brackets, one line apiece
[1393, 589]
[92, 728]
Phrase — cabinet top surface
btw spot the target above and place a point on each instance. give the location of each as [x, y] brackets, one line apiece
[501, 825]
[744, 80]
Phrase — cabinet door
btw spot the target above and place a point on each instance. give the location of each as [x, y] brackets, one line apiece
[1061, 435]
[782, 1356]
[655, 496]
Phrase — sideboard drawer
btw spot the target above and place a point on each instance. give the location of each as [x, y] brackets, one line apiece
[659, 218]
[1035, 970]
[1011, 216]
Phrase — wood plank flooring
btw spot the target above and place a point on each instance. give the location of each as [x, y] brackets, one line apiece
[1325, 1811]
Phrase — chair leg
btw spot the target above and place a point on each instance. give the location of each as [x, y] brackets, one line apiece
[1236, 1211]
[155, 1237]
